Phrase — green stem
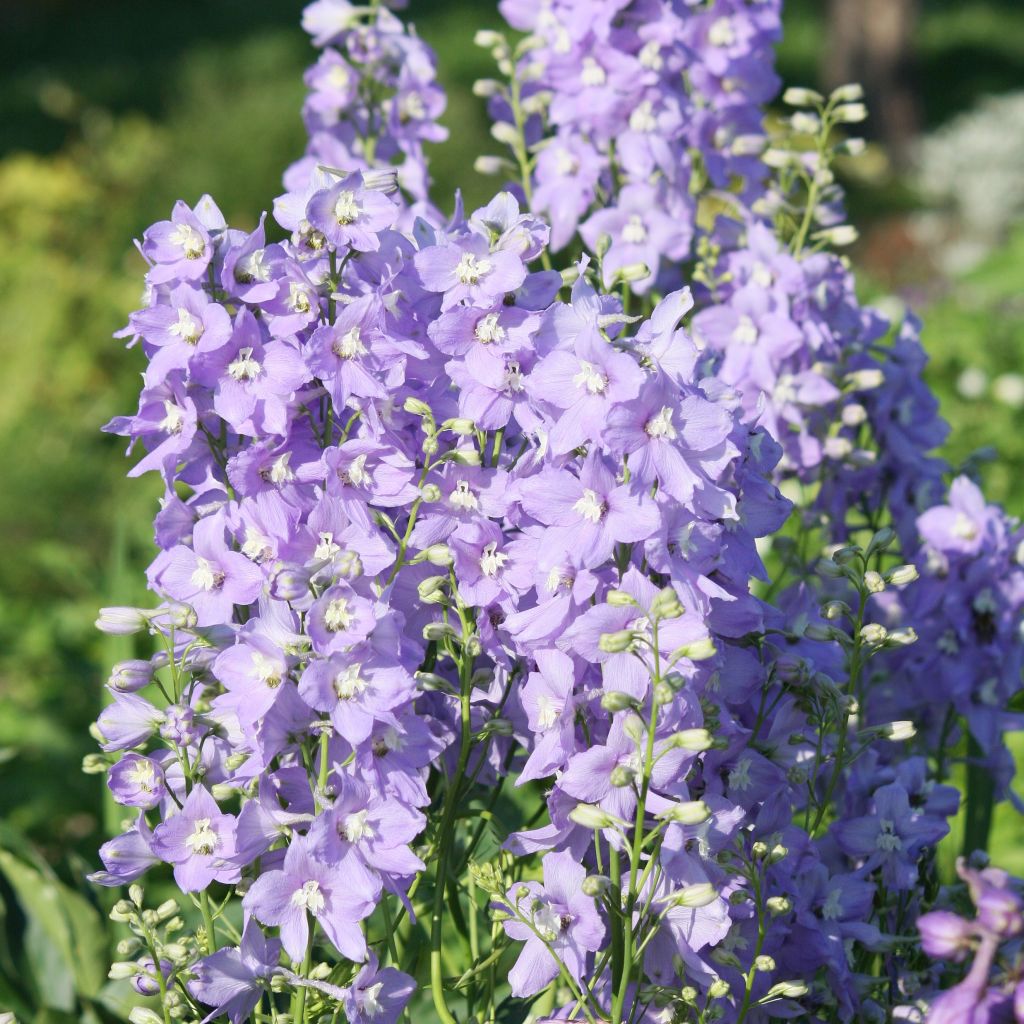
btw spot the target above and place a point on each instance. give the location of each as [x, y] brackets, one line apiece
[980, 798]
[447, 836]
[211, 932]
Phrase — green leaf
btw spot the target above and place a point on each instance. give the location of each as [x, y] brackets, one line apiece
[72, 928]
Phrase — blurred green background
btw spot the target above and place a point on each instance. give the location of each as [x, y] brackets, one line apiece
[112, 109]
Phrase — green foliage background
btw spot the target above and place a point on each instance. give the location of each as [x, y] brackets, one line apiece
[110, 111]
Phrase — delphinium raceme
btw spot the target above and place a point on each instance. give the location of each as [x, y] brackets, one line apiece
[472, 694]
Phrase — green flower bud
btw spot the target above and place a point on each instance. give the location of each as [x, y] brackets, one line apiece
[614, 701]
[430, 493]
[902, 575]
[460, 426]
[718, 989]
[778, 905]
[699, 650]
[438, 631]
[593, 817]
[873, 582]
[595, 885]
[617, 642]
[143, 1015]
[119, 970]
[796, 96]
[622, 776]
[764, 963]
[620, 599]
[663, 694]
[786, 990]
[666, 604]
[692, 739]
[688, 812]
[432, 589]
[417, 407]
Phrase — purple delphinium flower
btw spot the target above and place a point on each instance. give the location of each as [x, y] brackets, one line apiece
[233, 980]
[559, 924]
[351, 215]
[137, 781]
[199, 841]
[376, 995]
[338, 899]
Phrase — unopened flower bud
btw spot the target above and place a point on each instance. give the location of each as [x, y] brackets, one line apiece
[694, 896]
[778, 852]
[819, 631]
[430, 493]
[438, 554]
[620, 599]
[485, 88]
[764, 963]
[692, 739]
[631, 272]
[850, 113]
[786, 990]
[417, 407]
[897, 732]
[874, 582]
[833, 610]
[487, 38]
[617, 642]
[699, 650]
[851, 92]
[505, 133]
[615, 701]
[874, 633]
[666, 604]
[167, 909]
[689, 995]
[122, 621]
[865, 380]
[903, 637]
[438, 631]
[289, 583]
[622, 776]
[718, 989]
[460, 425]
[595, 885]
[688, 812]
[797, 96]
[853, 415]
[119, 970]
[902, 575]
[663, 694]
[432, 589]
[778, 905]
[593, 817]
[95, 764]
[131, 675]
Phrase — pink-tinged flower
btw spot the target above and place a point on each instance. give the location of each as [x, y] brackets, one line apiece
[351, 215]
[563, 923]
[199, 841]
[209, 575]
[337, 898]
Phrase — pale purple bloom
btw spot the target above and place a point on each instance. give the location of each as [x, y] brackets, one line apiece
[349, 214]
[199, 840]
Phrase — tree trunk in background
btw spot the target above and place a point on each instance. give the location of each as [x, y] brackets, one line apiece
[872, 42]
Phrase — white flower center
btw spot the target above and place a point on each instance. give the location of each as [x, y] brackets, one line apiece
[243, 367]
[660, 425]
[832, 908]
[887, 840]
[650, 56]
[349, 345]
[266, 670]
[642, 119]
[513, 380]
[203, 839]
[174, 418]
[635, 232]
[469, 269]
[309, 897]
[356, 473]
[346, 209]
[964, 527]
[548, 923]
[298, 298]
[337, 616]
[251, 267]
[492, 560]
[739, 777]
[189, 241]
[141, 774]
[357, 826]
[721, 33]
[349, 683]
[280, 471]
[256, 547]
[592, 74]
[547, 711]
[411, 107]
[206, 575]
[746, 332]
[590, 506]
[188, 328]
[326, 548]
[565, 162]
[338, 77]
[371, 1000]
[591, 378]
[463, 498]
[488, 329]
